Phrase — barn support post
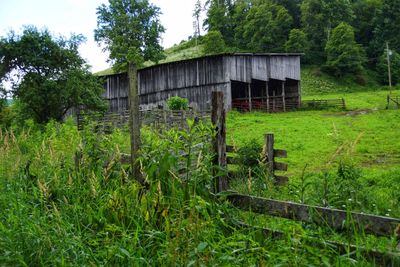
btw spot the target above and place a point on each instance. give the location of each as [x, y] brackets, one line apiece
[249, 93]
[267, 95]
[283, 96]
[134, 121]
[219, 140]
[299, 93]
[273, 100]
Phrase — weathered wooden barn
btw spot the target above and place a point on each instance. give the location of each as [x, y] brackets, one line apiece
[270, 82]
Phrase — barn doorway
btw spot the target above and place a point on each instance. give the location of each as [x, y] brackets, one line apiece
[248, 96]
[271, 96]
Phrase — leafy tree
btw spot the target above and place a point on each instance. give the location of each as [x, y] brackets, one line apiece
[297, 42]
[266, 27]
[382, 67]
[319, 17]
[365, 12]
[293, 7]
[130, 30]
[213, 43]
[47, 74]
[240, 11]
[387, 27]
[198, 8]
[219, 18]
[344, 55]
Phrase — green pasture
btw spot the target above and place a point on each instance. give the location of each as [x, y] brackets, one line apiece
[366, 132]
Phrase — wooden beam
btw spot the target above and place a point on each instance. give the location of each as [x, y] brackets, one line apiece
[279, 166]
[249, 92]
[281, 180]
[337, 219]
[134, 121]
[283, 97]
[386, 258]
[269, 142]
[266, 89]
[219, 140]
[299, 94]
[279, 153]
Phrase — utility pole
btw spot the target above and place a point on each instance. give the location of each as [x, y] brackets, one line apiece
[388, 52]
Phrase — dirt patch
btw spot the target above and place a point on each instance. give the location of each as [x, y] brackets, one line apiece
[353, 113]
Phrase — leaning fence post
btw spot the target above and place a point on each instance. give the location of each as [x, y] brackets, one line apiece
[134, 121]
[219, 140]
[269, 142]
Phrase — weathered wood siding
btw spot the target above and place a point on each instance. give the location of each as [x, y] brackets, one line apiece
[195, 79]
[244, 68]
[183, 74]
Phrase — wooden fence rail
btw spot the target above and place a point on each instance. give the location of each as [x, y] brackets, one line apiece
[270, 154]
[381, 258]
[323, 103]
[337, 219]
[157, 118]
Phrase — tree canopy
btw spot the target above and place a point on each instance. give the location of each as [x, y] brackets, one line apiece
[266, 27]
[307, 26]
[130, 30]
[213, 43]
[344, 55]
[47, 74]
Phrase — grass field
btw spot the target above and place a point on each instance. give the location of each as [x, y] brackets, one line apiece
[66, 200]
[364, 137]
[366, 132]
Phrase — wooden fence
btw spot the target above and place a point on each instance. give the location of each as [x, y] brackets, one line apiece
[156, 118]
[270, 104]
[394, 100]
[327, 217]
[269, 156]
[333, 218]
[323, 103]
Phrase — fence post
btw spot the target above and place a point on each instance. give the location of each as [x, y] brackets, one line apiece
[269, 142]
[387, 101]
[219, 140]
[134, 121]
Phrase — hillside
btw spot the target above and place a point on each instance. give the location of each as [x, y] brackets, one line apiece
[314, 80]
[175, 53]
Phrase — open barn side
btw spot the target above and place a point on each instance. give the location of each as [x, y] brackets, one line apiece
[269, 82]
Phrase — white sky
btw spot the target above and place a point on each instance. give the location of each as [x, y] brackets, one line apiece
[79, 16]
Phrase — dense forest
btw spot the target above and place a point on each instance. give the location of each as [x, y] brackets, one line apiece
[342, 36]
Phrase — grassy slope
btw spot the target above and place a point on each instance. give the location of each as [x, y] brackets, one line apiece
[172, 54]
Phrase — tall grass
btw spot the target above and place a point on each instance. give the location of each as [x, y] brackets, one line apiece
[65, 199]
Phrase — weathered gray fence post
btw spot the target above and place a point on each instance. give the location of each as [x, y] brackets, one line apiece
[134, 121]
[219, 140]
[271, 154]
[269, 142]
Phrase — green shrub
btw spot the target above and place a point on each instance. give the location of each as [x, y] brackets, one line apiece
[214, 43]
[177, 103]
[250, 153]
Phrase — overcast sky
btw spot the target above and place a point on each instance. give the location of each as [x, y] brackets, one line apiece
[79, 16]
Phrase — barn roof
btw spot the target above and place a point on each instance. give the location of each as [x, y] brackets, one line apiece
[105, 73]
